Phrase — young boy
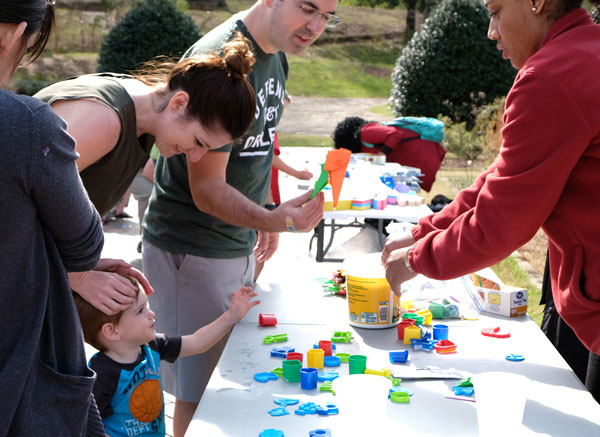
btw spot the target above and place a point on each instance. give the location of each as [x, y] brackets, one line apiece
[128, 389]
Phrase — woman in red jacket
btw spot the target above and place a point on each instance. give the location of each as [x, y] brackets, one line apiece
[547, 170]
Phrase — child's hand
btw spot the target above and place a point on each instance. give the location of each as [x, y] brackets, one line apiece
[241, 303]
[304, 175]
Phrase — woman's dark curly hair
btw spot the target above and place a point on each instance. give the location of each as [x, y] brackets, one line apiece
[347, 134]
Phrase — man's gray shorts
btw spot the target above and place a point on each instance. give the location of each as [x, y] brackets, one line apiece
[191, 292]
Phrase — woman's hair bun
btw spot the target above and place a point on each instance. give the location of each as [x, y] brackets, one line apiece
[238, 56]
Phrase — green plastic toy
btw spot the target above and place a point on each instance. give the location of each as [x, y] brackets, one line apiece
[342, 337]
[343, 357]
[275, 338]
[321, 182]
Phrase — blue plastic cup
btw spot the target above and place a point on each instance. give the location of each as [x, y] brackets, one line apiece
[440, 332]
[308, 378]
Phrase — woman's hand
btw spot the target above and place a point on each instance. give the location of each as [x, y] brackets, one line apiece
[396, 242]
[107, 291]
[123, 268]
[395, 270]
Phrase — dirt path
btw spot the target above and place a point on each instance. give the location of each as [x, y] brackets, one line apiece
[320, 115]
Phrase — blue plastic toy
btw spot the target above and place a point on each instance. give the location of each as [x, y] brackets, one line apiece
[316, 346]
[327, 376]
[281, 352]
[463, 391]
[320, 433]
[279, 411]
[284, 402]
[513, 357]
[265, 376]
[271, 433]
[398, 356]
[327, 410]
[332, 361]
[423, 343]
[306, 408]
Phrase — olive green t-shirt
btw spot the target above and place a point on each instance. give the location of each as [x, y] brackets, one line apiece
[107, 179]
[173, 222]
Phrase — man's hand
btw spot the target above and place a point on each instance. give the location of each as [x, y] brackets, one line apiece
[304, 212]
[397, 242]
[266, 245]
[395, 270]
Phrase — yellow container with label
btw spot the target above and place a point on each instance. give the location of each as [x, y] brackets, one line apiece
[371, 302]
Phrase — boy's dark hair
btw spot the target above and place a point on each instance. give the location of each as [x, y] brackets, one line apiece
[347, 134]
[92, 319]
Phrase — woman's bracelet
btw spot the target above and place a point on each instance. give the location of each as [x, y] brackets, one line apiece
[407, 263]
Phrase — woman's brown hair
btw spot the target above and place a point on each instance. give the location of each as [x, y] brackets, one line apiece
[220, 94]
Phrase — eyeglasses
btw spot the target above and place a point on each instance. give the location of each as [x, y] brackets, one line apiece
[310, 13]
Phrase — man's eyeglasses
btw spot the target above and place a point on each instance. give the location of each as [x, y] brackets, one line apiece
[310, 12]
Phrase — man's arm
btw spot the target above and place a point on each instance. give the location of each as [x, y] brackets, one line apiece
[213, 195]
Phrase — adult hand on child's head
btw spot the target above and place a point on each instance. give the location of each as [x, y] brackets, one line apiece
[266, 245]
[241, 303]
[302, 212]
[123, 268]
[396, 242]
[109, 292]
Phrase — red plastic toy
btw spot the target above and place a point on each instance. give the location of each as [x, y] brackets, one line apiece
[495, 332]
[445, 347]
[267, 319]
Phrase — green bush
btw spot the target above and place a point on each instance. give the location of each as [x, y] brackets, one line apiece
[151, 28]
[449, 66]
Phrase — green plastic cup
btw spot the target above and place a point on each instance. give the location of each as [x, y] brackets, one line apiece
[357, 364]
[291, 370]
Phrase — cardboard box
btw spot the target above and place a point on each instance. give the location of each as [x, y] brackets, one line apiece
[508, 301]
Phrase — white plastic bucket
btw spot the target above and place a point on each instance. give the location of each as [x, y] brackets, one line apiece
[371, 302]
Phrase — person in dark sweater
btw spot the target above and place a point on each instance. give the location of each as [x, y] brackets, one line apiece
[47, 226]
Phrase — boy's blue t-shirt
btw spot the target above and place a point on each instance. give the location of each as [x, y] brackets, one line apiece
[129, 396]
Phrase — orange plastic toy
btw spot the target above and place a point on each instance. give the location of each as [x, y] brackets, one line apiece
[336, 164]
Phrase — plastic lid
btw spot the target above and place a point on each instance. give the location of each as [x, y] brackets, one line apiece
[365, 266]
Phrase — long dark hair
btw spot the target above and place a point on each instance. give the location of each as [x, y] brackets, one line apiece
[39, 16]
[219, 91]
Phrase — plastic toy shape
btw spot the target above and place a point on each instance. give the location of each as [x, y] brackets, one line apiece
[327, 386]
[400, 397]
[513, 357]
[383, 372]
[466, 383]
[279, 411]
[463, 391]
[333, 347]
[341, 337]
[327, 376]
[306, 408]
[294, 356]
[281, 352]
[398, 356]
[271, 433]
[423, 344]
[402, 325]
[327, 410]
[265, 377]
[267, 320]
[320, 433]
[308, 378]
[408, 391]
[284, 402]
[332, 361]
[336, 164]
[275, 338]
[411, 332]
[495, 332]
[343, 357]
[357, 364]
[278, 371]
[427, 316]
[315, 358]
[445, 347]
[440, 332]
[327, 347]
[395, 381]
[320, 182]
[291, 370]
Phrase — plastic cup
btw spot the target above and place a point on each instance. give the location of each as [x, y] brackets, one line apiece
[326, 345]
[267, 319]
[294, 356]
[357, 364]
[315, 358]
[440, 332]
[291, 370]
[402, 325]
[500, 401]
[308, 378]
[411, 332]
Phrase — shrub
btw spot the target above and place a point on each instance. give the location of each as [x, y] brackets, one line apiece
[151, 28]
[449, 66]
